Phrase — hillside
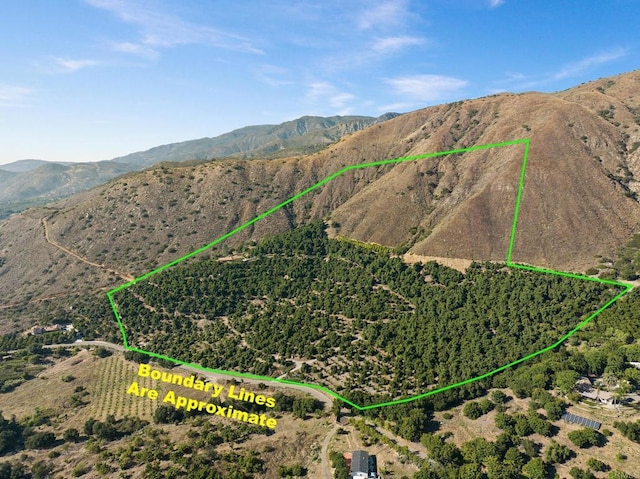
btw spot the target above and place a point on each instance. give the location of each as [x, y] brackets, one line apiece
[37, 182]
[579, 199]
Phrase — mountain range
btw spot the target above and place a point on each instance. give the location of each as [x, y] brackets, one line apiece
[27, 183]
[579, 201]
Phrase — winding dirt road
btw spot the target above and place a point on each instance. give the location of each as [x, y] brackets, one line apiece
[125, 276]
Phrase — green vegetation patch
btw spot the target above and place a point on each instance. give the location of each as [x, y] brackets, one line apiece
[357, 321]
[365, 324]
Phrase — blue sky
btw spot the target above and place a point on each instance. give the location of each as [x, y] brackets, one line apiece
[87, 80]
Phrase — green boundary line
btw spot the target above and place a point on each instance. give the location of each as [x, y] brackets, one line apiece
[523, 141]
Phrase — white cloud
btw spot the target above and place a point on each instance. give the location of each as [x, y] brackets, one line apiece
[495, 3]
[396, 107]
[325, 94]
[340, 100]
[135, 49]
[11, 95]
[576, 68]
[161, 30]
[384, 14]
[569, 70]
[69, 65]
[273, 75]
[392, 44]
[426, 88]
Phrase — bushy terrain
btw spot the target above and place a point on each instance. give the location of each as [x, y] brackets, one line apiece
[365, 323]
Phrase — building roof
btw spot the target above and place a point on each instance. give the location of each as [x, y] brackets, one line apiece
[360, 462]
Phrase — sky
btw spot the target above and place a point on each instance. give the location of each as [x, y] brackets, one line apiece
[89, 80]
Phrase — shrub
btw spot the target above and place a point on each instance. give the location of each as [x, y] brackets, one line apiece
[585, 438]
[499, 397]
[40, 440]
[557, 453]
[618, 475]
[472, 410]
[535, 469]
[80, 470]
[596, 465]
[578, 473]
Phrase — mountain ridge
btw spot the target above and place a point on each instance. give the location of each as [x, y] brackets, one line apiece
[259, 140]
[39, 181]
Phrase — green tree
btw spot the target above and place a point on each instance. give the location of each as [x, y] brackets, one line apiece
[609, 380]
[566, 380]
[585, 437]
[71, 435]
[40, 440]
[557, 453]
[535, 469]
[578, 473]
[499, 397]
[472, 410]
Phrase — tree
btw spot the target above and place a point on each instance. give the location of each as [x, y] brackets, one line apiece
[336, 407]
[557, 453]
[630, 430]
[498, 470]
[71, 435]
[499, 397]
[471, 471]
[535, 469]
[168, 414]
[621, 392]
[566, 380]
[40, 440]
[472, 410]
[554, 409]
[585, 437]
[609, 380]
[538, 424]
[102, 352]
[40, 470]
[578, 473]
[476, 450]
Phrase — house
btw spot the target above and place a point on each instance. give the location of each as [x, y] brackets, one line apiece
[363, 466]
[37, 330]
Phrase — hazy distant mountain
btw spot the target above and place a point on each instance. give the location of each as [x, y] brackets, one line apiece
[36, 182]
[21, 166]
[302, 136]
[52, 181]
[6, 175]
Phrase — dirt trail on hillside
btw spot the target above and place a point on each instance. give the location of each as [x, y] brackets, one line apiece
[325, 463]
[461, 264]
[125, 276]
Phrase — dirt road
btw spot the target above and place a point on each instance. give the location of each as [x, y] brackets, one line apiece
[125, 276]
[324, 454]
